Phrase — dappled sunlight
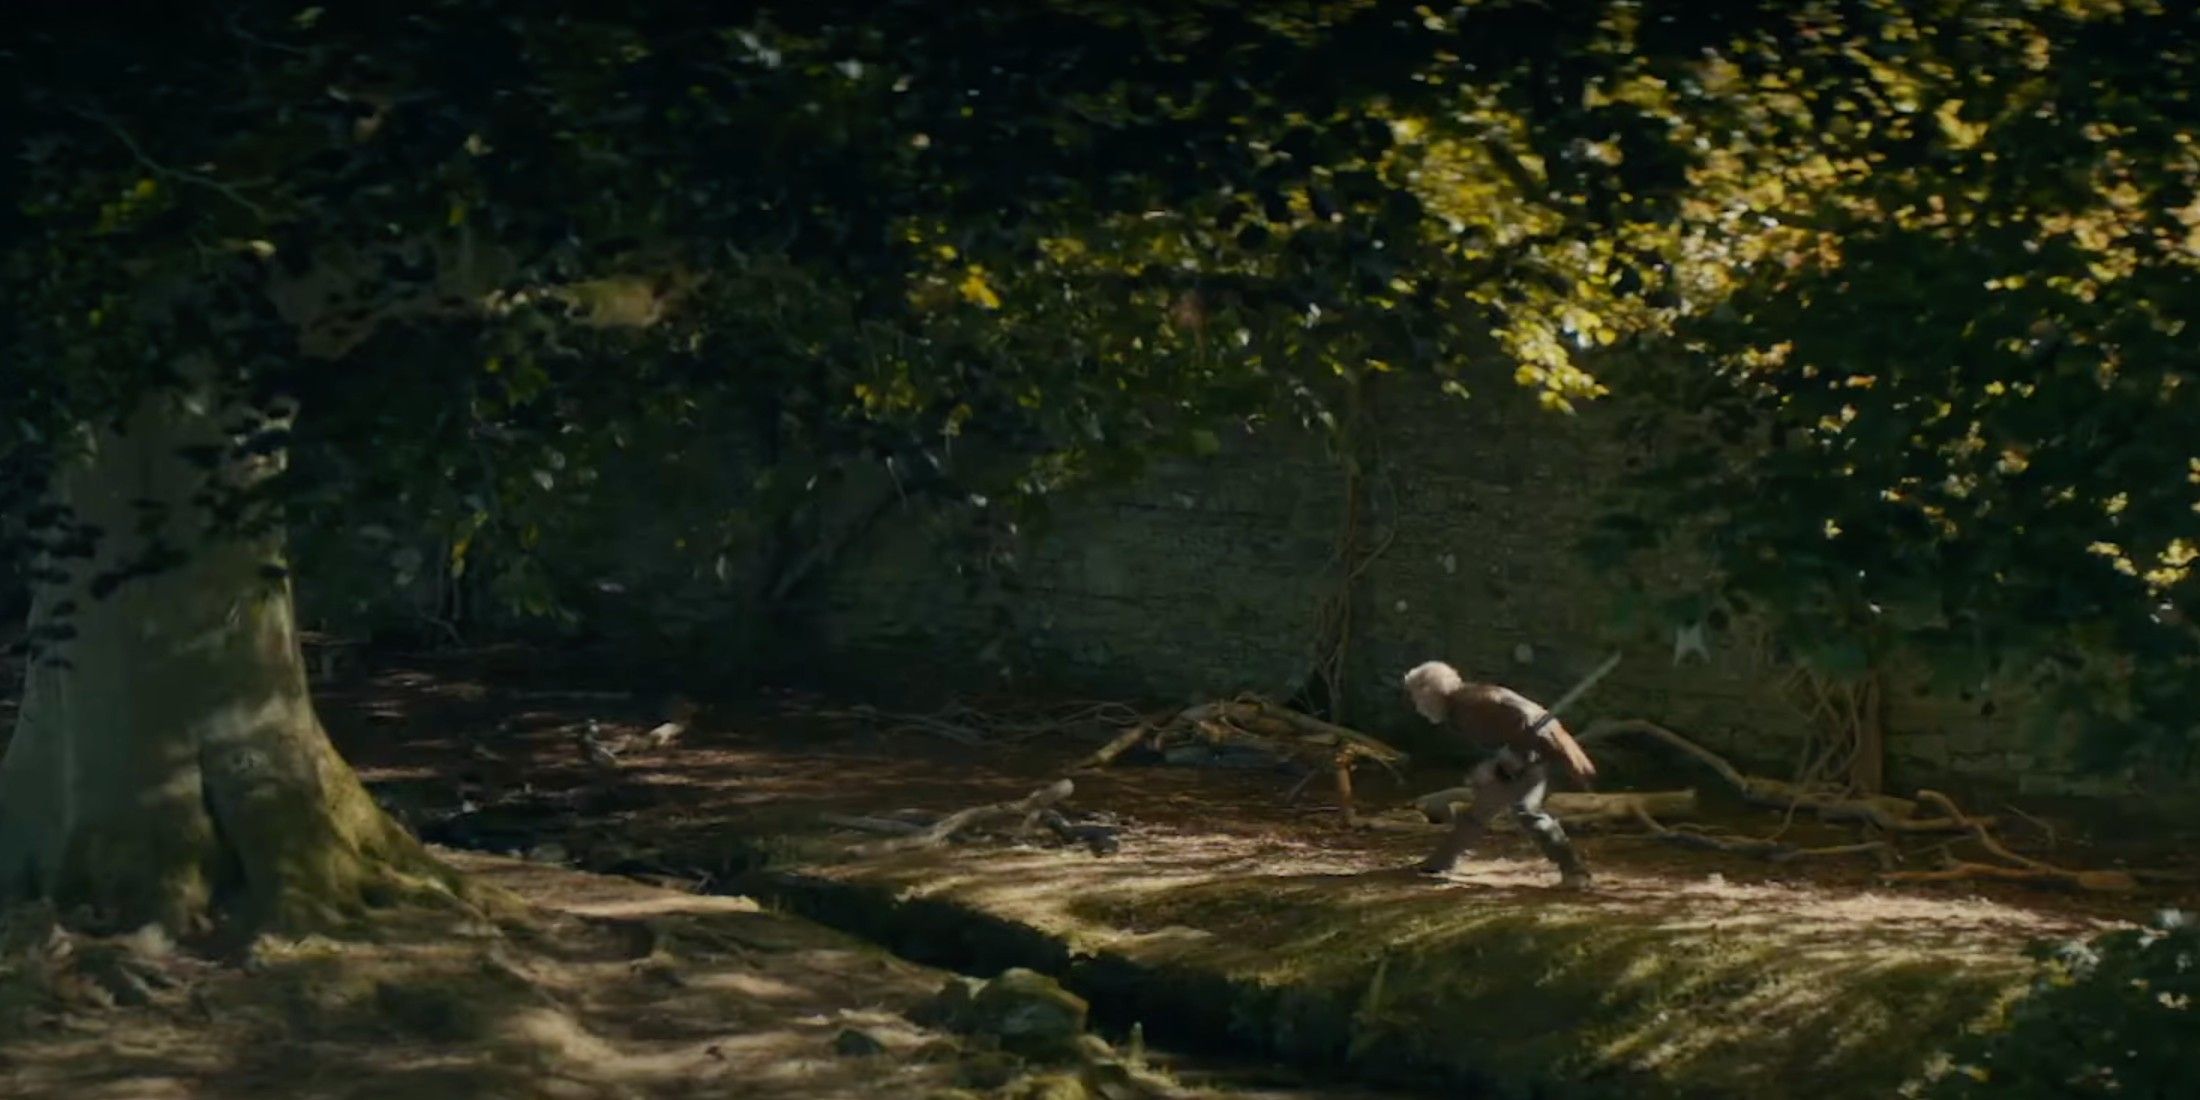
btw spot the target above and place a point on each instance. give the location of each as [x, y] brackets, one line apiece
[1692, 979]
[1678, 965]
[705, 993]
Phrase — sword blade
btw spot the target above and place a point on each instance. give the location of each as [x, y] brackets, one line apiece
[1550, 713]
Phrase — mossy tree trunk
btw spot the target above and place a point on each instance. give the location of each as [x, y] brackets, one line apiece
[167, 765]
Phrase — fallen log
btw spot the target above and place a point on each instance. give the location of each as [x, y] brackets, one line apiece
[1572, 807]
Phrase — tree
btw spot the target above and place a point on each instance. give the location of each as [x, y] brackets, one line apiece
[1948, 432]
[464, 257]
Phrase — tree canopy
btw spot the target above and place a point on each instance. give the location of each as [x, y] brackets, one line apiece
[995, 252]
[1952, 428]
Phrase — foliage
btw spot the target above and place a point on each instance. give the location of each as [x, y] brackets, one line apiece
[993, 253]
[2110, 1017]
[1941, 418]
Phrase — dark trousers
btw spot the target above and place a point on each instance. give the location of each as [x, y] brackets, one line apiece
[1501, 783]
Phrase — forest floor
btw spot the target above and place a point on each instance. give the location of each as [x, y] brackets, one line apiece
[1228, 917]
[1231, 916]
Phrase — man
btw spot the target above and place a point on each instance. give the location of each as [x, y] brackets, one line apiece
[1516, 775]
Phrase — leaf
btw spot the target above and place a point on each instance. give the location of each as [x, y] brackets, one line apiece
[976, 290]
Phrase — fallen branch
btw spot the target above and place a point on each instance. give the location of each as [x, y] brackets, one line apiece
[1253, 722]
[1099, 839]
[1883, 812]
[1773, 850]
[1122, 743]
[2027, 869]
[945, 829]
[2105, 882]
[885, 825]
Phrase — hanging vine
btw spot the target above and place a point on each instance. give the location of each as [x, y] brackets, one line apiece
[1358, 452]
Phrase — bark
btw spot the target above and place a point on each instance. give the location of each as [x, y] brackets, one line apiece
[167, 765]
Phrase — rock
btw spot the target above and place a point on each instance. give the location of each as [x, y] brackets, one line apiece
[851, 1043]
[1051, 1086]
[988, 1069]
[950, 1007]
[1030, 1013]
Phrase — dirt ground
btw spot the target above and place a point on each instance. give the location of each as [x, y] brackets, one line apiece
[1685, 973]
[772, 764]
[630, 990]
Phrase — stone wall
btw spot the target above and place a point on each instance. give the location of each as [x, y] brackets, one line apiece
[1204, 578]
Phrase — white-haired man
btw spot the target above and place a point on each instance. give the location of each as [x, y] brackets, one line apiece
[1517, 773]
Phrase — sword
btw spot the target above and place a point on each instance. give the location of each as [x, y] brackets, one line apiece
[1550, 713]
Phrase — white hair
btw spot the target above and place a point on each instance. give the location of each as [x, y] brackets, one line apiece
[1428, 683]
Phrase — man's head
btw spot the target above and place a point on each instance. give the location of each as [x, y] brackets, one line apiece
[1427, 684]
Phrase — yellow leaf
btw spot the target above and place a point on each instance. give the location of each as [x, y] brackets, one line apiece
[977, 291]
[458, 212]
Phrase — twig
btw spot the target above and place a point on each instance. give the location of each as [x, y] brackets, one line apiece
[2047, 830]
[137, 152]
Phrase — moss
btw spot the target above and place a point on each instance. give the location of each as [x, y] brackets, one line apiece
[1579, 992]
[1492, 991]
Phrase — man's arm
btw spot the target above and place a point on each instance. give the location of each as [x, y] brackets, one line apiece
[1552, 743]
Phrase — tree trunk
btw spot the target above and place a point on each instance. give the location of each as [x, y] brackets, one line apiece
[167, 765]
